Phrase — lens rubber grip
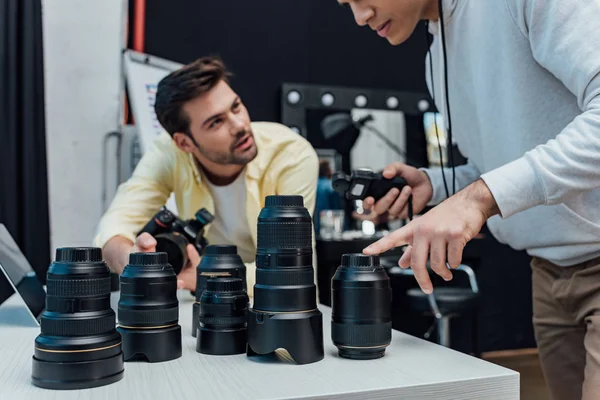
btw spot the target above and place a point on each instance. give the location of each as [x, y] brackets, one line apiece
[354, 335]
[78, 327]
[284, 235]
[78, 287]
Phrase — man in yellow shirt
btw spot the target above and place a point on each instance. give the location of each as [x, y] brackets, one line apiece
[212, 156]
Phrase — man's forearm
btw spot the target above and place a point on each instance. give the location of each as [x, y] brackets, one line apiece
[116, 253]
[479, 195]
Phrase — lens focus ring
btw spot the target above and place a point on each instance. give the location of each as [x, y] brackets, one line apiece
[78, 287]
[78, 327]
[284, 235]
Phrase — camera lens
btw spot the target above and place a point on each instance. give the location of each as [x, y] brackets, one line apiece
[284, 270]
[149, 309]
[79, 346]
[222, 328]
[175, 245]
[361, 320]
[218, 260]
[284, 313]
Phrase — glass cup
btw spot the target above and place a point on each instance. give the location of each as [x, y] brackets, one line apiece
[331, 224]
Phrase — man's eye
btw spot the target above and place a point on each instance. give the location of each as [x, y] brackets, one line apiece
[216, 122]
[236, 106]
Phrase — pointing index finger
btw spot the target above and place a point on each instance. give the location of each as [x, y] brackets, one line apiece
[395, 239]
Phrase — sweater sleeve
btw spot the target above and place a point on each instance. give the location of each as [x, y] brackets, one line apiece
[138, 199]
[564, 38]
[463, 176]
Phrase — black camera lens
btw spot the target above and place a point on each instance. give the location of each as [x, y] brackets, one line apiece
[218, 260]
[174, 245]
[222, 327]
[361, 319]
[284, 313]
[284, 270]
[79, 346]
[149, 309]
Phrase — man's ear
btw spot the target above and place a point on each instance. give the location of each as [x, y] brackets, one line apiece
[184, 142]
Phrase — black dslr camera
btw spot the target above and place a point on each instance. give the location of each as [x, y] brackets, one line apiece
[173, 235]
[365, 183]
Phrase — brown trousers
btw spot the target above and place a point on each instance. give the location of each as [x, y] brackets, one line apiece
[566, 318]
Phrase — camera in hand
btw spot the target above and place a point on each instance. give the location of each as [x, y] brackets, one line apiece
[173, 235]
[365, 183]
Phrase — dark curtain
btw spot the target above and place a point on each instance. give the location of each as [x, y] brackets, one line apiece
[23, 170]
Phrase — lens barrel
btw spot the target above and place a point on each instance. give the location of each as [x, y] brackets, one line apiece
[284, 270]
[361, 320]
[78, 346]
[284, 313]
[149, 309]
[218, 260]
[222, 322]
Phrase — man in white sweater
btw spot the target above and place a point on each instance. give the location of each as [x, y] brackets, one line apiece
[524, 101]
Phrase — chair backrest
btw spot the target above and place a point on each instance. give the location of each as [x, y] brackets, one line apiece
[393, 268]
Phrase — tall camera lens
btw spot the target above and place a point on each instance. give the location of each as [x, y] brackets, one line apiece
[284, 313]
[222, 328]
[149, 309]
[361, 320]
[284, 270]
[79, 346]
[218, 260]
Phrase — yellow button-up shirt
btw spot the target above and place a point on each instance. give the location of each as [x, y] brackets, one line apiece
[286, 164]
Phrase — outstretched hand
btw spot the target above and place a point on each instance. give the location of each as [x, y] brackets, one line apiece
[441, 234]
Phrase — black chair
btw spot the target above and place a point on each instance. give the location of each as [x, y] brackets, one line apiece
[444, 303]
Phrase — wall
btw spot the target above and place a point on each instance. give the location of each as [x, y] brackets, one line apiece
[82, 52]
[269, 42]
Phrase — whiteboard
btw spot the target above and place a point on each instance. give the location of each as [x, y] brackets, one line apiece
[142, 74]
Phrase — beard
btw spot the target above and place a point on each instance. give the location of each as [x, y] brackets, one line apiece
[230, 157]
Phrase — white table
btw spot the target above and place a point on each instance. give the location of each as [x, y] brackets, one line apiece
[412, 369]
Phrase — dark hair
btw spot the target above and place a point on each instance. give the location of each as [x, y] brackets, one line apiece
[183, 85]
[325, 169]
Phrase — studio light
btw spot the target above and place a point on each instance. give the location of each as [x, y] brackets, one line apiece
[423, 105]
[360, 101]
[327, 99]
[294, 97]
[392, 102]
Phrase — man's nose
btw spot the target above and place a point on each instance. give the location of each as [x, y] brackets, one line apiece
[237, 124]
[362, 14]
